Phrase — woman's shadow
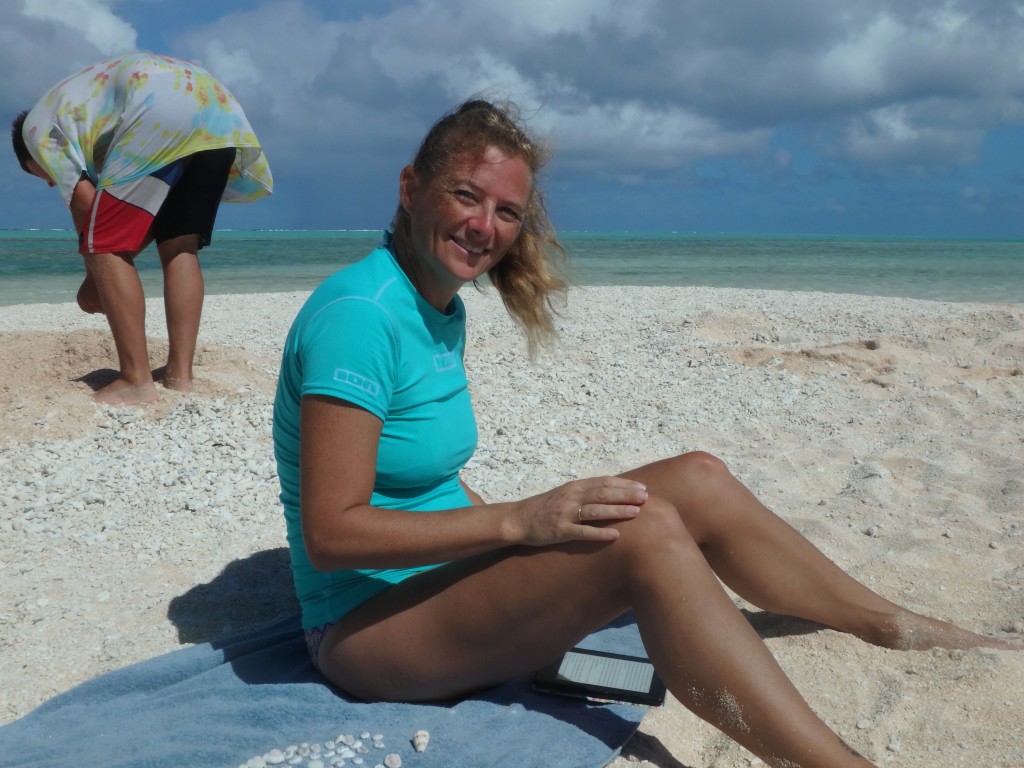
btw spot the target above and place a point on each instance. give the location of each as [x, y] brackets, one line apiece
[248, 593]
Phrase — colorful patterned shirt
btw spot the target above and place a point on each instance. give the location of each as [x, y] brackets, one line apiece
[125, 117]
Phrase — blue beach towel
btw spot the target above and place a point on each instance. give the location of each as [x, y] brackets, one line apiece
[225, 703]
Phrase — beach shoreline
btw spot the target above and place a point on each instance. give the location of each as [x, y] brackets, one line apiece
[889, 431]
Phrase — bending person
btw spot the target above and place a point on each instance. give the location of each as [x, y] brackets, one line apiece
[413, 588]
[142, 148]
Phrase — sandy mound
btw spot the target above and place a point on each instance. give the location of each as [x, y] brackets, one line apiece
[50, 375]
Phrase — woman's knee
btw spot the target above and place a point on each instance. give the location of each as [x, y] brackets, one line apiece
[694, 481]
[659, 528]
[695, 484]
[687, 472]
[700, 467]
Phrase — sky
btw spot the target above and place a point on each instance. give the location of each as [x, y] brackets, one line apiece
[875, 117]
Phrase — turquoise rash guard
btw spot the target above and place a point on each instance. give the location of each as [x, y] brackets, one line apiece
[366, 336]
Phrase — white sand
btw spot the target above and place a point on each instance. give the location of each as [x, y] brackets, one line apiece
[889, 431]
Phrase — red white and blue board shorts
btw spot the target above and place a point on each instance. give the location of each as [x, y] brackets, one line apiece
[179, 199]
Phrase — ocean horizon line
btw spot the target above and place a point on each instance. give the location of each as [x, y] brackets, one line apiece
[43, 265]
[584, 233]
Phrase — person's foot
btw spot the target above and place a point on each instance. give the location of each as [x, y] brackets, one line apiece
[121, 392]
[177, 378]
[910, 631]
[178, 385]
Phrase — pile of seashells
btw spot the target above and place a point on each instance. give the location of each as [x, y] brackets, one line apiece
[346, 749]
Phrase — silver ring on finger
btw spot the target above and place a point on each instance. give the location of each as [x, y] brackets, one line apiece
[579, 514]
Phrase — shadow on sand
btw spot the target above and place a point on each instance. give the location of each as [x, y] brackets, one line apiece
[247, 593]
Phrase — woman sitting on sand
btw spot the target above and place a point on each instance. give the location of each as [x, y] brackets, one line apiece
[373, 422]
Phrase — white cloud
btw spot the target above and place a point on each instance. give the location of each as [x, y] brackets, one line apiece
[233, 66]
[630, 134]
[633, 84]
[94, 19]
[724, 76]
[45, 41]
[624, 89]
[857, 66]
[366, 78]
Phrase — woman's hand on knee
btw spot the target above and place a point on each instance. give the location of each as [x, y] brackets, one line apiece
[576, 511]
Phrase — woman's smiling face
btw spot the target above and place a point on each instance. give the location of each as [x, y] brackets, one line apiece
[464, 220]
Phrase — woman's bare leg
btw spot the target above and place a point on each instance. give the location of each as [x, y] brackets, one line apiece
[120, 293]
[770, 564]
[488, 619]
[183, 304]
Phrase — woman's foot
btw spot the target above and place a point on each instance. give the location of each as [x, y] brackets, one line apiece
[909, 631]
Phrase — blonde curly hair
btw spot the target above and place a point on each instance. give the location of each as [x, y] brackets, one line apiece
[526, 277]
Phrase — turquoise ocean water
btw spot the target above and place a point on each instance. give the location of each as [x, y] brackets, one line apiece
[43, 266]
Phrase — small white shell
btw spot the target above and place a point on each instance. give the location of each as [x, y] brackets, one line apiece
[393, 761]
[420, 740]
[274, 757]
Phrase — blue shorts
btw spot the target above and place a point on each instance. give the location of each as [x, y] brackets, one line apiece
[314, 638]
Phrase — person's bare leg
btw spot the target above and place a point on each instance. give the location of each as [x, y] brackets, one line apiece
[731, 679]
[88, 297]
[475, 623]
[183, 305]
[765, 561]
[120, 294]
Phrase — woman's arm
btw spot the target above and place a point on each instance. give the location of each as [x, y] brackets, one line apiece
[338, 456]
